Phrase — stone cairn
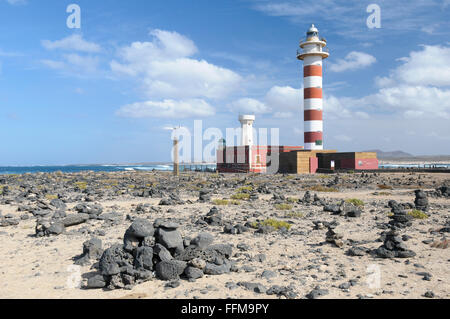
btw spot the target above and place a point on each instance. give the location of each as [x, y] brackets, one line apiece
[334, 237]
[421, 200]
[157, 249]
[393, 244]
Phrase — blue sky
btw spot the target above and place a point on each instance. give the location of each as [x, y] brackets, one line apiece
[103, 93]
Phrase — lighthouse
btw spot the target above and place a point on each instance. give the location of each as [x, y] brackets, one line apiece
[312, 51]
[246, 129]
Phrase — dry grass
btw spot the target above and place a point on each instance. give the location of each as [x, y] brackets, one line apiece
[355, 201]
[220, 202]
[320, 188]
[277, 224]
[283, 207]
[240, 196]
[418, 214]
[81, 185]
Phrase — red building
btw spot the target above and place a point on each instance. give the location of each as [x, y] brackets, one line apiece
[246, 159]
[290, 159]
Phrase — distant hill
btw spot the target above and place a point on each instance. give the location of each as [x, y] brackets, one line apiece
[391, 155]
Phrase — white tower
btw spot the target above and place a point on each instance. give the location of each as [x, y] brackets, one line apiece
[312, 54]
[246, 129]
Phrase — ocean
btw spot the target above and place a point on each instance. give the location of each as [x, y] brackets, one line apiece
[152, 167]
[97, 168]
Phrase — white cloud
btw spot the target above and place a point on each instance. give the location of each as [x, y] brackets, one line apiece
[167, 109]
[284, 115]
[430, 101]
[287, 102]
[362, 115]
[430, 66]
[57, 65]
[165, 69]
[335, 107]
[416, 88]
[248, 105]
[348, 17]
[284, 98]
[74, 42]
[281, 100]
[74, 64]
[353, 61]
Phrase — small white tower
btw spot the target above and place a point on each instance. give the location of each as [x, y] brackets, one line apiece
[246, 129]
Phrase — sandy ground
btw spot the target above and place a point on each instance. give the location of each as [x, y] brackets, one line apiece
[33, 267]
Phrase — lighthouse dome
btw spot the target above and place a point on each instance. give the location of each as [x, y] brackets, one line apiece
[312, 32]
[313, 28]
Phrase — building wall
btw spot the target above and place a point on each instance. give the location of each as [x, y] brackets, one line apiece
[313, 165]
[300, 162]
[366, 163]
[349, 160]
[237, 159]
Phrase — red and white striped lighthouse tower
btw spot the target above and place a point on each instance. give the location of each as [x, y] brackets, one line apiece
[312, 53]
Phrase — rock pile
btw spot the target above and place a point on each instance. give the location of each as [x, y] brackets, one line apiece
[318, 224]
[399, 218]
[394, 247]
[173, 199]
[443, 191]
[8, 220]
[313, 200]
[334, 237]
[204, 196]
[421, 200]
[213, 218]
[57, 225]
[344, 209]
[159, 250]
[234, 230]
[93, 210]
[92, 250]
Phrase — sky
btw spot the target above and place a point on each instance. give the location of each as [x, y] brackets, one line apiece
[107, 91]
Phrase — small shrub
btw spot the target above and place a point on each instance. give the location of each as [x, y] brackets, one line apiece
[235, 202]
[220, 202]
[320, 188]
[240, 196]
[418, 214]
[245, 189]
[382, 186]
[283, 207]
[81, 185]
[355, 201]
[51, 196]
[382, 193]
[277, 224]
[292, 200]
